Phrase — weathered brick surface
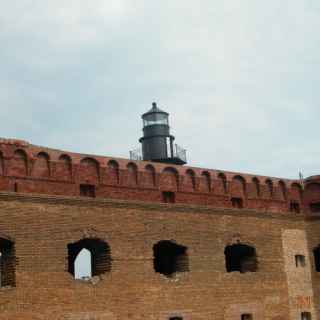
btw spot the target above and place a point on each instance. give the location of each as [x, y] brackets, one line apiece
[30, 169]
[313, 234]
[41, 213]
[41, 228]
[299, 278]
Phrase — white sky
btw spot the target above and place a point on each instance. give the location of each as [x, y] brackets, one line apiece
[82, 265]
[240, 78]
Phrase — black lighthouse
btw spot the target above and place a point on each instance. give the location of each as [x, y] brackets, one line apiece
[157, 142]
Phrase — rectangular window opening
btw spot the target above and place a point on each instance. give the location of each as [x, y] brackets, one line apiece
[246, 316]
[7, 263]
[87, 190]
[237, 203]
[169, 155]
[315, 207]
[168, 197]
[294, 207]
[305, 316]
[300, 261]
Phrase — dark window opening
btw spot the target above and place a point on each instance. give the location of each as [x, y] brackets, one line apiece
[294, 207]
[315, 207]
[87, 190]
[7, 263]
[300, 260]
[170, 258]
[99, 253]
[316, 254]
[269, 184]
[223, 180]
[237, 203]
[15, 187]
[241, 257]
[168, 197]
[305, 316]
[113, 168]
[246, 316]
[176, 318]
[256, 183]
[283, 190]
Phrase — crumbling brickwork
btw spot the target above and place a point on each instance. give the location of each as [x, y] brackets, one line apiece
[45, 222]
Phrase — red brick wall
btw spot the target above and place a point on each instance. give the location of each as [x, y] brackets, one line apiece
[312, 191]
[41, 170]
[41, 228]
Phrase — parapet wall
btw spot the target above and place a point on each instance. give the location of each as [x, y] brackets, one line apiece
[27, 168]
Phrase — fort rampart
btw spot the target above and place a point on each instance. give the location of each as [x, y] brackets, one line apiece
[241, 247]
[27, 168]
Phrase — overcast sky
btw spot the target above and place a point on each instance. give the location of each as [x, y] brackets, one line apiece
[240, 78]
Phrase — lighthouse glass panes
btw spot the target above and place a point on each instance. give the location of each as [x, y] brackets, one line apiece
[169, 148]
[155, 118]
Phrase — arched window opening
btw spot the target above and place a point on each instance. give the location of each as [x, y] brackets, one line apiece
[206, 178]
[190, 180]
[64, 168]
[300, 260]
[246, 316]
[99, 252]
[223, 182]
[150, 175]
[83, 265]
[170, 258]
[19, 164]
[256, 185]
[65, 159]
[269, 184]
[7, 263]
[89, 171]
[1, 164]
[296, 192]
[283, 190]
[113, 171]
[316, 255]
[305, 316]
[238, 187]
[132, 174]
[241, 257]
[41, 167]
